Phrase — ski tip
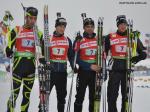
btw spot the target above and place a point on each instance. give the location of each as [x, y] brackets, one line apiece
[45, 9]
[130, 22]
[100, 20]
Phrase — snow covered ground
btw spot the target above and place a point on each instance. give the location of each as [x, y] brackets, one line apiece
[140, 101]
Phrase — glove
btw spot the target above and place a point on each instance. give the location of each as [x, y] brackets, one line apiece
[136, 33]
[143, 55]
[8, 15]
[75, 70]
[42, 61]
[135, 59]
[78, 37]
[9, 52]
[8, 68]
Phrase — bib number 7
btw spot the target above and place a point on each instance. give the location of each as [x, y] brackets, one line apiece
[121, 48]
[58, 51]
[27, 43]
[90, 52]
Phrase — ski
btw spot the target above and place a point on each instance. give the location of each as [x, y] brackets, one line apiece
[100, 86]
[129, 67]
[44, 70]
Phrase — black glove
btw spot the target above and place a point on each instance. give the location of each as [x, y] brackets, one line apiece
[143, 55]
[136, 33]
[9, 52]
[42, 61]
[78, 37]
[75, 70]
[8, 68]
[135, 59]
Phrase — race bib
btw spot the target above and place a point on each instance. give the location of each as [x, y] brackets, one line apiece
[27, 43]
[121, 48]
[90, 52]
[58, 51]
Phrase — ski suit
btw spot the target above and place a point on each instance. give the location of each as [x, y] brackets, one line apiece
[23, 40]
[116, 43]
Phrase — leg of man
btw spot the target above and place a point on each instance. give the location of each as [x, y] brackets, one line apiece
[81, 85]
[112, 90]
[123, 91]
[91, 91]
[15, 92]
[61, 89]
[27, 87]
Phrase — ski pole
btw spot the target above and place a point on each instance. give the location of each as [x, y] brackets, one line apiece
[10, 18]
[104, 70]
[74, 65]
[24, 9]
[12, 91]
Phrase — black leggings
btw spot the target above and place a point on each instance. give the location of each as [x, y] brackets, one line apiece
[84, 79]
[59, 79]
[115, 80]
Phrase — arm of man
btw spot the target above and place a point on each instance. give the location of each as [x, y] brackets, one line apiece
[141, 52]
[11, 42]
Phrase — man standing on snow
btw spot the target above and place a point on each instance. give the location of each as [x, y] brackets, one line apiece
[86, 60]
[60, 51]
[22, 38]
[116, 43]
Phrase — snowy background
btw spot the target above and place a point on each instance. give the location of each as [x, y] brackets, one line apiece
[141, 96]
[71, 10]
